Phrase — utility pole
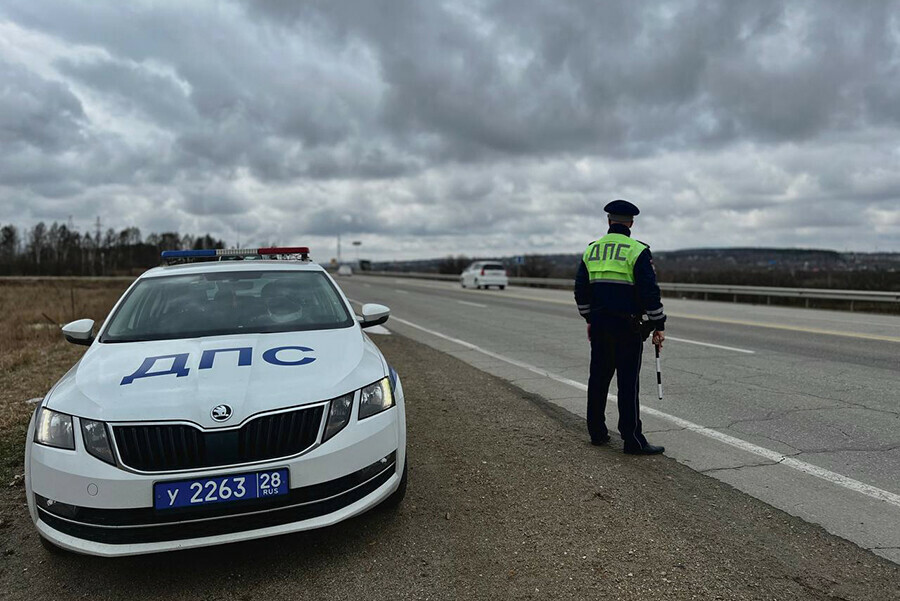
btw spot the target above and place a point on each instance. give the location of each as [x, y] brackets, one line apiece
[97, 247]
[339, 249]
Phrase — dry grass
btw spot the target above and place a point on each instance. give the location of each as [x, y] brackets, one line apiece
[33, 353]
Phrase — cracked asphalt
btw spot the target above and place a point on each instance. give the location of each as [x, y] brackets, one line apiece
[819, 387]
[506, 500]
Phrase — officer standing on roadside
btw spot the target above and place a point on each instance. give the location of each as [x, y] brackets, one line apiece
[616, 285]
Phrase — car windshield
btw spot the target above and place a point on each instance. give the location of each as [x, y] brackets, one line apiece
[493, 266]
[215, 304]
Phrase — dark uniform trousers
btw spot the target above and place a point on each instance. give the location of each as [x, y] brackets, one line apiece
[616, 346]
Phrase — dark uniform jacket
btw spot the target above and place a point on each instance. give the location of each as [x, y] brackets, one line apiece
[640, 299]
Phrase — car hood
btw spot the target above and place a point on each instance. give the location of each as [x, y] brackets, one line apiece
[102, 385]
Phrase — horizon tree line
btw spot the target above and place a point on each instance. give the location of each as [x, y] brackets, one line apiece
[61, 249]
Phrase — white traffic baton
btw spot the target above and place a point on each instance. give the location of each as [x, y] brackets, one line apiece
[658, 373]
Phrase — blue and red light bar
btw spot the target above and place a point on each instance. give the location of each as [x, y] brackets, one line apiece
[303, 251]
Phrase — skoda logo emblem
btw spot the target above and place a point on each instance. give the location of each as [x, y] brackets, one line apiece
[221, 413]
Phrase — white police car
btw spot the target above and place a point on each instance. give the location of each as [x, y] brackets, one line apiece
[221, 401]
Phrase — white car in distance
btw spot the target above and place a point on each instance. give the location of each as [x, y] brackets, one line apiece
[222, 400]
[484, 274]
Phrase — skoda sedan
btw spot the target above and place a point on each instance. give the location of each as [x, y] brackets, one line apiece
[221, 400]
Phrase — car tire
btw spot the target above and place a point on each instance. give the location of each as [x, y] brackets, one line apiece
[393, 501]
[502, 287]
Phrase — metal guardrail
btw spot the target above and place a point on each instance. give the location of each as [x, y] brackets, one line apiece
[767, 292]
[770, 291]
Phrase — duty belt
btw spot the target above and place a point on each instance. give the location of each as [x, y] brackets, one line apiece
[645, 327]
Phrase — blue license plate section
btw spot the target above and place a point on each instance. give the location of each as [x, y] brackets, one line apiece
[222, 489]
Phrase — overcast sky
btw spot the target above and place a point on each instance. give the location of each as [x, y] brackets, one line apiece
[473, 127]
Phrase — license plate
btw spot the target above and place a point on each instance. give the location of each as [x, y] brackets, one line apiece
[222, 489]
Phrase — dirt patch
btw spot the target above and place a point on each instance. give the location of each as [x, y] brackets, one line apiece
[505, 501]
[33, 354]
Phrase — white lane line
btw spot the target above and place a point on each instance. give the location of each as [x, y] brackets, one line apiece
[774, 456]
[727, 348]
[510, 293]
[398, 291]
[462, 302]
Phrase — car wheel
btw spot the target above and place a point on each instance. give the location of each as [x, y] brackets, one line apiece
[393, 501]
[502, 287]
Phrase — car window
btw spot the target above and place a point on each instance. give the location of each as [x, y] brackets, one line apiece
[214, 304]
[493, 266]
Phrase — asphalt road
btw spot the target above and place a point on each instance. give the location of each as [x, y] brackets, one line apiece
[506, 500]
[799, 408]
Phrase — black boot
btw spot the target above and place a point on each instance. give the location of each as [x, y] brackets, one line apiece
[647, 449]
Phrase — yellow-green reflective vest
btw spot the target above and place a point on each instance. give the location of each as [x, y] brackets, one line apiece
[612, 258]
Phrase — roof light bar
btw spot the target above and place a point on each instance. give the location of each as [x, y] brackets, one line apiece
[284, 250]
[187, 254]
[303, 251]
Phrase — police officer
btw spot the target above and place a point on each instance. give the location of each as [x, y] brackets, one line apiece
[616, 285]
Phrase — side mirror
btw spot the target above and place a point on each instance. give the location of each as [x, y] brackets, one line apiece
[79, 332]
[373, 315]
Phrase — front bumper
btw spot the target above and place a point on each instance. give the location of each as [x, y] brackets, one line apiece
[100, 509]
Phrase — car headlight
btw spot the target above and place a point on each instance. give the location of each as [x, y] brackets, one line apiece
[339, 411]
[54, 429]
[96, 440]
[375, 398]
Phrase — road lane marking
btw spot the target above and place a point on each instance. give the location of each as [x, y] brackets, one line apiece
[727, 348]
[778, 326]
[697, 342]
[749, 447]
[462, 302]
[741, 322]
[401, 291]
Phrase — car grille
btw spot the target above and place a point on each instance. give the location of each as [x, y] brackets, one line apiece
[171, 447]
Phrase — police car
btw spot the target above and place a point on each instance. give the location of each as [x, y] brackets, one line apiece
[221, 400]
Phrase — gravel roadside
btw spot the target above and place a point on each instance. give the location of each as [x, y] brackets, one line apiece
[506, 500]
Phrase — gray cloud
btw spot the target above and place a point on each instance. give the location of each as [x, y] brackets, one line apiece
[134, 88]
[37, 113]
[471, 126]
